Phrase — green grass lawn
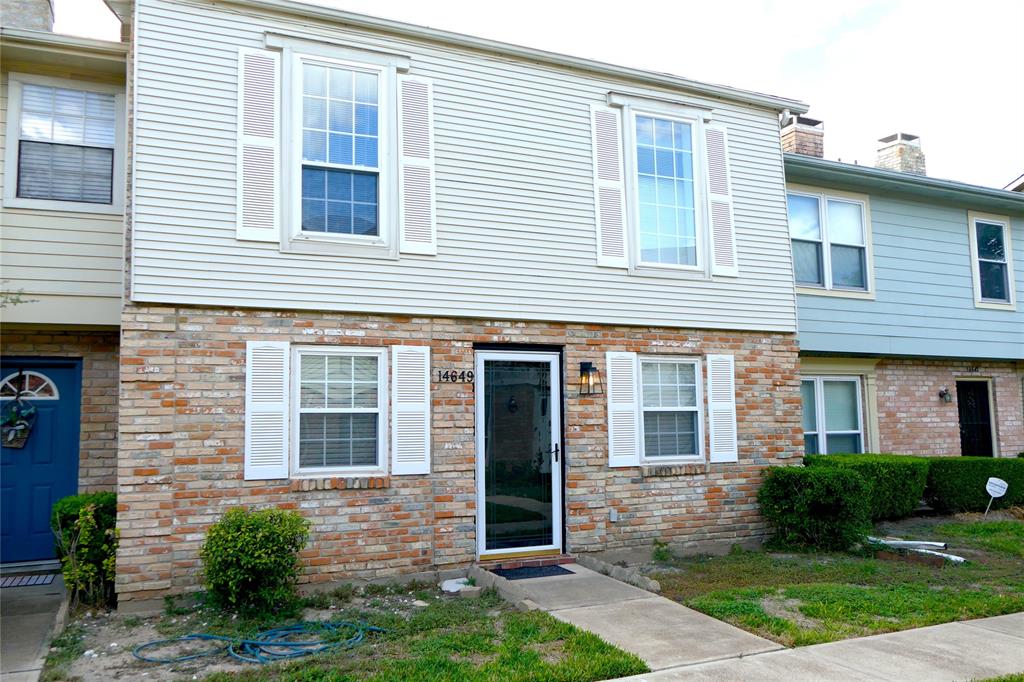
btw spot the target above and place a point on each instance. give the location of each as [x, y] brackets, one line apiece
[808, 598]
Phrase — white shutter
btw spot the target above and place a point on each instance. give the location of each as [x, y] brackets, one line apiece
[722, 408]
[417, 219]
[258, 145]
[723, 232]
[623, 410]
[266, 409]
[410, 410]
[609, 188]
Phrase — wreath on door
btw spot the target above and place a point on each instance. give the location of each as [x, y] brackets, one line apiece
[16, 423]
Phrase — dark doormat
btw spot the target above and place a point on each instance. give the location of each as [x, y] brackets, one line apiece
[530, 572]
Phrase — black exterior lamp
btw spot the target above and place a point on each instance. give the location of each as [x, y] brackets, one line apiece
[590, 379]
[945, 395]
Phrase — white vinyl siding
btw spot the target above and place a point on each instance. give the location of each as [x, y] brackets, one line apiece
[515, 198]
[833, 420]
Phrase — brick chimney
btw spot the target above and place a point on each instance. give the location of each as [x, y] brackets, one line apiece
[901, 152]
[802, 135]
[36, 15]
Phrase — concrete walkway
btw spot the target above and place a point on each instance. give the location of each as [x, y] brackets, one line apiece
[965, 650]
[658, 630]
[27, 617]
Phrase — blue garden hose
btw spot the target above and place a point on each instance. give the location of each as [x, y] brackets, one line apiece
[269, 646]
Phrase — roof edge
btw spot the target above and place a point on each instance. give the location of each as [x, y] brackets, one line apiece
[46, 39]
[913, 184]
[552, 58]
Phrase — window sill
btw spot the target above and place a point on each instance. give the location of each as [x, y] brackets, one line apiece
[837, 293]
[368, 482]
[995, 305]
[64, 206]
[651, 470]
[317, 246]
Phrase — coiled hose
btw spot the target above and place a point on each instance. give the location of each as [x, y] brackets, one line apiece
[269, 646]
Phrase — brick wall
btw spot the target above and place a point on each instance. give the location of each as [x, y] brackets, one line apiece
[182, 419]
[98, 433]
[913, 420]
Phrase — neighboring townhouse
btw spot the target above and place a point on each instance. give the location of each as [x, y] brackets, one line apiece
[452, 299]
[62, 104]
[909, 288]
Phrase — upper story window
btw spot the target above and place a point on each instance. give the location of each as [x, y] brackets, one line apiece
[830, 240]
[667, 223]
[832, 416]
[64, 145]
[671, 406]
[340, 150]
[991, 261]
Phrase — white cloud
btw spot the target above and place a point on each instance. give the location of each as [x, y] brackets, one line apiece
[950, 73]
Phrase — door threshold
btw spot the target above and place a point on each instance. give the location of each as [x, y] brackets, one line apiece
[529, 553]
[27, 567]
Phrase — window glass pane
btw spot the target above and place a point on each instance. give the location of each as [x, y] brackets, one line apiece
[848, 267]
[65, 172]
[811, 445]
[337, 440]
[666, 194]
[993, 278]
[807, 266]
[669, 384]
[845, 222]
[990, 242]
[69, 116]
[670, 434]
[804, 218]
[843, 443]
[339, 202]
[841, 408]
[810, 419]
[341, 119]
[314, 80]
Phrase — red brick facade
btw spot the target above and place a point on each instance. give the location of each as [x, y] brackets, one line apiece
[97, 467]
[182, 433]
[913, 420]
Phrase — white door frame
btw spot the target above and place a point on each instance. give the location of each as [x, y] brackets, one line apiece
[553, 359]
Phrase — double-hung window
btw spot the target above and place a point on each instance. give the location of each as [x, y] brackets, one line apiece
[830, 241]
[671, 404]
[991, 264]
[832, 415]
[64, 150]
[667, 207]
[340, 410]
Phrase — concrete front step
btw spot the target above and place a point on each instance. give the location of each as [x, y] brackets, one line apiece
[520, 562]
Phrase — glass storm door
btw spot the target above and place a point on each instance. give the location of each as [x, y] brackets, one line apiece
[519, 463]
[975, 418]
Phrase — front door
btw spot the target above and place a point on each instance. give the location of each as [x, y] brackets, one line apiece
[45, 468]
[975, 418]
[519, 463]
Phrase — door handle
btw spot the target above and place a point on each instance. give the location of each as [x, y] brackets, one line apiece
[555, 452]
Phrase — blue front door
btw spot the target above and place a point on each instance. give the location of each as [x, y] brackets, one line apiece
[35, 476]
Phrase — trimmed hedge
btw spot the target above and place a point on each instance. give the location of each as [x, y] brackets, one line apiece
[896, 482]
[822, 507]
[957, 484]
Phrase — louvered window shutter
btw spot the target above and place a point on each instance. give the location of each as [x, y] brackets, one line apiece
[623, 410]
[410, 410]
[722, 408]
[417, 220]
[266, 409]
[723, 231]
[258, 145]
[609, 188]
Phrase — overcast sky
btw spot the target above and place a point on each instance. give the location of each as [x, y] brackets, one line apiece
[952, 73]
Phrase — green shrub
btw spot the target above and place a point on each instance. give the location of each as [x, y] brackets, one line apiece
[251, 559]
[896, 482]
[86, 540]
[957, 484]
[822, 507]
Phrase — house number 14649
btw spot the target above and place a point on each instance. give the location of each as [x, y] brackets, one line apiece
[449, 376]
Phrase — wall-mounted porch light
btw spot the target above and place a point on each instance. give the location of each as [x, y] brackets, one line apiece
[590, 379]
[946, 396]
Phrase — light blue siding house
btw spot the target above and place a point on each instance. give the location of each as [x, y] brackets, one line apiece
[909, 295]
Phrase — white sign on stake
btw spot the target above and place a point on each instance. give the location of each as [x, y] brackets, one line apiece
[996, 487]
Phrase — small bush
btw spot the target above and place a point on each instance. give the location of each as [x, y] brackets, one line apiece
[896, 482]
[822, 507]
[957, 484]
[84, 527]
[251, 559]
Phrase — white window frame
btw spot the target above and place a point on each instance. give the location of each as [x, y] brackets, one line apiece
[819, 407]
[973, 218]
[828, 288]
[15, 83]
[698, 373]
[382, 408]
[386, 67]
